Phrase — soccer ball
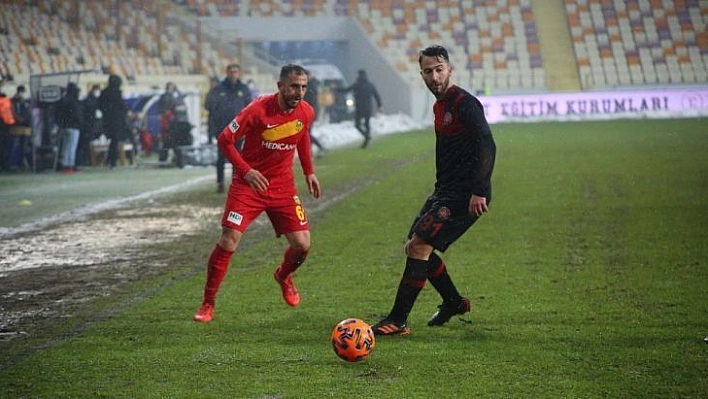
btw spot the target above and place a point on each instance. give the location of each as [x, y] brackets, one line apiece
[353, 340]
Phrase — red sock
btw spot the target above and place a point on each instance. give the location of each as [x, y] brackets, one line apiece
[292, 259]
[216, 270]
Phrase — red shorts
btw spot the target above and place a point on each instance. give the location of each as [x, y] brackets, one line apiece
[282, 205]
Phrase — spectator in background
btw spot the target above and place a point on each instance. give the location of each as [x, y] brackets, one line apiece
[223, 102]
[7, 119]
[169, 98]
[167, 106]
[91, 130]
[115, 117]
[312, 97]
[326, 101]
[70, 119]
[213, 82]
[21, 130]
[364, 91]
[176, 128]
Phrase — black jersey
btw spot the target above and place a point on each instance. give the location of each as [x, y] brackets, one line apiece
[465, 150]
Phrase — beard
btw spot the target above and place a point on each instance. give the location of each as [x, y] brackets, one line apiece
[292, 102]
[438, 88]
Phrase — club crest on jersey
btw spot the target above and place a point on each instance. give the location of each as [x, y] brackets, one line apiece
[444, 213]
[233, 126]
[447, 118]
[235, 218]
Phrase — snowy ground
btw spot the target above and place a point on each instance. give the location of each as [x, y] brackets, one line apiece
[344, 133]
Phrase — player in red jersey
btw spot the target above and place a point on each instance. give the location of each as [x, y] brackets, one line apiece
[274, 127]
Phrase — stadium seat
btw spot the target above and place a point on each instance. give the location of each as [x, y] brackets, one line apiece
[613, 40]
[654, 30]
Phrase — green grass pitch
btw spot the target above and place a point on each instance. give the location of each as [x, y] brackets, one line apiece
[588, 279]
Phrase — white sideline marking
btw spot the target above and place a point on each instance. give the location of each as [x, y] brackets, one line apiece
[90, 209]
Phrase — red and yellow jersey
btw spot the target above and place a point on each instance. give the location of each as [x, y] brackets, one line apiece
[271, 138]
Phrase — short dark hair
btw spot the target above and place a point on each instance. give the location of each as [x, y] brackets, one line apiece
[437, 51]
[288, 69]
[233, 66]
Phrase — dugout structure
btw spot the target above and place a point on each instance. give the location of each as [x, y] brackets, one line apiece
[46, 90]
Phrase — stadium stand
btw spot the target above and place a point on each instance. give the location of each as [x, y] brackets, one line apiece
[494, 45]
[44, 37]
[615, 42]
[496, 39]
[639, 42]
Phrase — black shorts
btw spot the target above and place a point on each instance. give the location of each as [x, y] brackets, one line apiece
[442, 221]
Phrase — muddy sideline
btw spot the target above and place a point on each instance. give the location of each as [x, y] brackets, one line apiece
[43, 274]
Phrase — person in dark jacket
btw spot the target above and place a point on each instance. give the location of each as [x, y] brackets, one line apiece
[115, 117]
[168, 104]
[70, 118]
[363, 91]
[176, 130]
[223, 102]
[169, 98]
[312, 98]
[7, 119]
[92, 128]
[465, 153]
[21, 130]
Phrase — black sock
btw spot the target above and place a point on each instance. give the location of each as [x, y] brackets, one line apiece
[440, 279]
[412, 282]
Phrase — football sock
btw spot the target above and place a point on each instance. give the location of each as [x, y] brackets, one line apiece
[216, 270]
[413, 280]
[440, 279]
[292, 259]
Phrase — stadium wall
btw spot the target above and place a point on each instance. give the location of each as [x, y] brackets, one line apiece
[359, 52]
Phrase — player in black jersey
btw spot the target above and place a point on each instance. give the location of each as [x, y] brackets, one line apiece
[464, 159]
